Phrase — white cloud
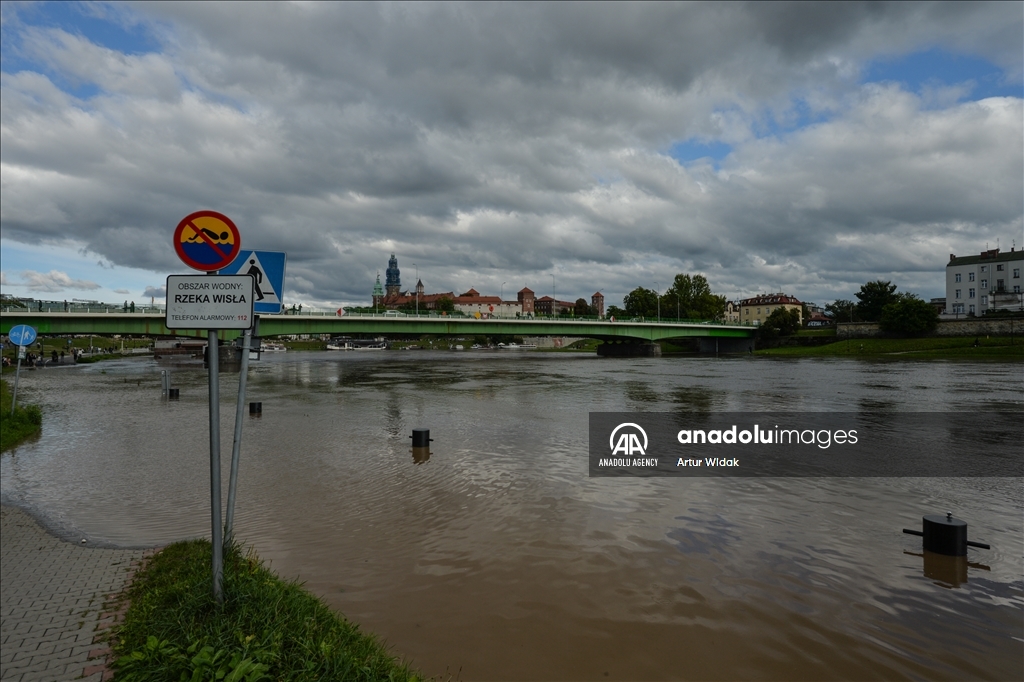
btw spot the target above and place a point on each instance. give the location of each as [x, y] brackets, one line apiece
[508, 142]
[54, 281]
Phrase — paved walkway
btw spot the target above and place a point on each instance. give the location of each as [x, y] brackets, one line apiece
[52, 596]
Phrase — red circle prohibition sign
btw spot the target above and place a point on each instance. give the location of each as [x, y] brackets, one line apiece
[207, 240]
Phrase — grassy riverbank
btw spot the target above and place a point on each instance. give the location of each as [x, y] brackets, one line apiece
[924, 348]
[267, 628]
[27, 420]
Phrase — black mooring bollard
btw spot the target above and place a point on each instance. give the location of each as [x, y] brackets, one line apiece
[945, 535]
[172, 393]
[421, 438]
[255, 408]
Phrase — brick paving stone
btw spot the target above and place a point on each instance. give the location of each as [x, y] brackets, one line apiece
[52, 595]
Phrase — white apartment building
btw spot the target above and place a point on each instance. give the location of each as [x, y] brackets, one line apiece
[989, 281]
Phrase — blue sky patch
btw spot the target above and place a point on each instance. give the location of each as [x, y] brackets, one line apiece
[114, 31]
[691, 150]
[938, 67]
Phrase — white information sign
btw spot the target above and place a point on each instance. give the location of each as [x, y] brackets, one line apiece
[209, 301]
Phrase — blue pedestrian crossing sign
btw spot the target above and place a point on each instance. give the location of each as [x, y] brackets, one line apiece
[267, 268]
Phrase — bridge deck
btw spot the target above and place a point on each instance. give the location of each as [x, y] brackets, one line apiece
[152, 324]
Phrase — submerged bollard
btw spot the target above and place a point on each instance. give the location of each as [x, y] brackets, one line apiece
[945, 535]
[172, 393]
[255, 408]
[421, 438]
[420, 455]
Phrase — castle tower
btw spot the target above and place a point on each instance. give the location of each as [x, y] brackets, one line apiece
[378, 293]
[419, 287]
[526, 299]
[597, 302]
[393, 280]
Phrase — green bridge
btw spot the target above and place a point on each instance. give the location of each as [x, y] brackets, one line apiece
[621, 337]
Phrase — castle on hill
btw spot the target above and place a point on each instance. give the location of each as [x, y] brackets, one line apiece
[471, 302]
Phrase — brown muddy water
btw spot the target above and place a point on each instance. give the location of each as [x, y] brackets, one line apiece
[500, 559]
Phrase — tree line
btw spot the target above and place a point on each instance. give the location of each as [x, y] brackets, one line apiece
[689, 298]
[895, 312]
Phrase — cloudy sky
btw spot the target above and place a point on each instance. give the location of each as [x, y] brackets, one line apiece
[798, 147]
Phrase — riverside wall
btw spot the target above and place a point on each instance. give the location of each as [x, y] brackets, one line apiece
[1006, 326]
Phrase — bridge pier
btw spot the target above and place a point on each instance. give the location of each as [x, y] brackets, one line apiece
[629, 350]
[716, 345]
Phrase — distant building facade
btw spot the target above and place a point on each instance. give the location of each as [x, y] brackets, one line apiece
[732, 312]
[597, 303]
[989, 281]
[545, 305]
[756, 310]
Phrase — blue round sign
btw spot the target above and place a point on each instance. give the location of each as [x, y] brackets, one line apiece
[22, 335]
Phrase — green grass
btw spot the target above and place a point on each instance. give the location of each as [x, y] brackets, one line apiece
[27, 420]
[267, 628]
[924, 348]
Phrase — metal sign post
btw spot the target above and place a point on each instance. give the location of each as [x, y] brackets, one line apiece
[208, 241]
[236, 445]
[213, 357]
[17, 375]
[22, 335]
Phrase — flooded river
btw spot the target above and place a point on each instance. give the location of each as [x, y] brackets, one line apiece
[500, 559]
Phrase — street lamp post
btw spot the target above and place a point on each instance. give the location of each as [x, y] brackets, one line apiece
[417, 289]
[554, 296]
[657, 297]
[501, 297]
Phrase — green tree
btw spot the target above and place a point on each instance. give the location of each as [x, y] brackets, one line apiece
[582, 307]
[874, 296]
[781, 322]
[445, 304]
[641, 303]
[690, 296]
[908, 315]
[842, 310]
[614, 311]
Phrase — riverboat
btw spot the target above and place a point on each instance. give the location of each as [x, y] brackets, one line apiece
[349, 344]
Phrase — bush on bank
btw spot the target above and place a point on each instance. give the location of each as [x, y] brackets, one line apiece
[267, 628]
[26, 421]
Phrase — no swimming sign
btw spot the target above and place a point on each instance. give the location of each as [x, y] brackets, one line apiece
[207, 240]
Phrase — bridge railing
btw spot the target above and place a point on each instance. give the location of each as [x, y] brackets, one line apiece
[393, 314]
[96, 310]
